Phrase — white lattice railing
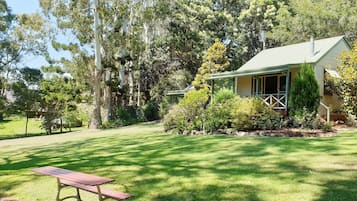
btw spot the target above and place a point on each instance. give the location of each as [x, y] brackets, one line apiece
[276, 101]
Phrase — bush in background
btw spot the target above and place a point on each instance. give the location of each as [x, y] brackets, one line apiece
[151, 111]
[128, 115]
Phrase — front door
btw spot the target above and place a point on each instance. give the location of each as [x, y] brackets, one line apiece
[271, 84]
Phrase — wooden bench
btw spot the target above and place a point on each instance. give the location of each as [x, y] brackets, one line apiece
[79, 180]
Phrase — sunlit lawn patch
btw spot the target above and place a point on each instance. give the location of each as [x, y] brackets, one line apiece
[155, 166]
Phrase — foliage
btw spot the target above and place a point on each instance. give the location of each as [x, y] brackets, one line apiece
[306, 119]
[128, 115]
[347, 85]
[252, 113]
[26, 93]
[59, 98]
[215, 60]
[223, 95]
[151, 111]
[300, 19]
[164, 106]
[304, 92]
[327, 127]
[189, 113]
[218, 115]
[224, 83]
[260, 15]
[228, 112]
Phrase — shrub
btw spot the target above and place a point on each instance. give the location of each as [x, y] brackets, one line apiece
[164, 107]
[223, 95]
[347, 85]
[128, 115]
[175, 120]
[304, 91]
[252, 113]
[306, 119]
[189, 113]
[327, 127]
[151, 111]
[217, 116]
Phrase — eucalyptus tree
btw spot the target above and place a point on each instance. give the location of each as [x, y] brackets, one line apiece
[299, 19]
[93, 24]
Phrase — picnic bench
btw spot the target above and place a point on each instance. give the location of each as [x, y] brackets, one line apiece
[79, 180]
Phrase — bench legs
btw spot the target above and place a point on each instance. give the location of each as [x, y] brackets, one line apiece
[59, 188]
[101, 198]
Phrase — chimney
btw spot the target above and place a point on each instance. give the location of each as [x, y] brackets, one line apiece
[312, 46]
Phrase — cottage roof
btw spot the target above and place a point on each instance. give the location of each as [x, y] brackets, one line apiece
[280, 58]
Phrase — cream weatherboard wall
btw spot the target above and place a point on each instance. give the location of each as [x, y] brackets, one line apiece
[244, 85]
[329, 61]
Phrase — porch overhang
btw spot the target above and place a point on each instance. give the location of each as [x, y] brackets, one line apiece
[262, 71]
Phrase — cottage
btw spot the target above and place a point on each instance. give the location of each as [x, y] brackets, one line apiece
[270, 73]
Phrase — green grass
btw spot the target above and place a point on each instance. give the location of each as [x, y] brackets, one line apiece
[14, 127]
[155, 166]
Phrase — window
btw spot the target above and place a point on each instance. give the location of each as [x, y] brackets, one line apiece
[282, 83]
[269, 84]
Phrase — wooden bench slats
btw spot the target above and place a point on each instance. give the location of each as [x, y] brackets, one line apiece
[93, 189]
[69, 175]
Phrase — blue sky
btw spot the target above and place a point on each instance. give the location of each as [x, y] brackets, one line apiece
[23, 6]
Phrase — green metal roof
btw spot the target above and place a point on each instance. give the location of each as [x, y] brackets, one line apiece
[282, 58]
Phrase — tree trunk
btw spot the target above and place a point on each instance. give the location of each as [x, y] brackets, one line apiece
[139, 90]
[61, 125]
[107, 103]
[131, 86]
[121, 76]
[27, 122]
[96, 120]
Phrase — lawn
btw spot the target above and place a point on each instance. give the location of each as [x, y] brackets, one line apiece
[153, 165]
[14, 127]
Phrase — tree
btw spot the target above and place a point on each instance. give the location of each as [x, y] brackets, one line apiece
[20, 35]
[6, 48]
[347, 85]
[27, 94]
[300, 19]
[304, 94]
[58, 96]
[259, 16]
[215, 60]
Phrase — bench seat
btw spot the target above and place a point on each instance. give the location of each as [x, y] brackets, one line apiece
[93, 189]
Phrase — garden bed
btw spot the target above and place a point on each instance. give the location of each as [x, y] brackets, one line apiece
[285, 132]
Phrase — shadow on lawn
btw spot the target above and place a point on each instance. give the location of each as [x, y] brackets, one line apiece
[148, 163]
[345, 189]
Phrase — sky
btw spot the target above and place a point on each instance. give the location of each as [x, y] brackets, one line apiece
[32, 6]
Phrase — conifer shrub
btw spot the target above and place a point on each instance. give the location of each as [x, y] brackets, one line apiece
[304, 94]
